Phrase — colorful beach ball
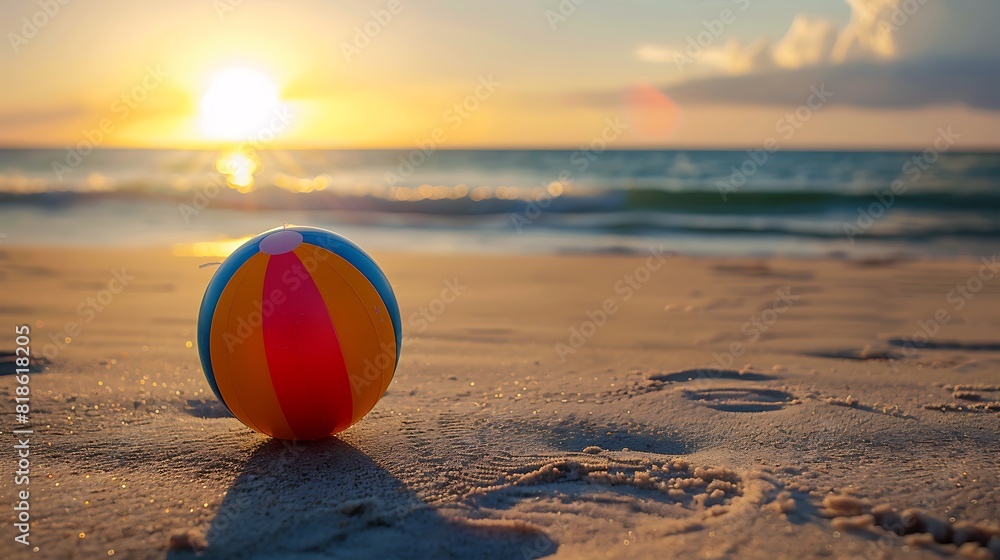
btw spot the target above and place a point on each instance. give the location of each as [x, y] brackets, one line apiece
[299, 333]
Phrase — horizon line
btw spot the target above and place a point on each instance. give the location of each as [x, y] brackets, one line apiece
[983, 149]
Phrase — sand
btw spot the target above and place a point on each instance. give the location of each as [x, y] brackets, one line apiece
[574, 407]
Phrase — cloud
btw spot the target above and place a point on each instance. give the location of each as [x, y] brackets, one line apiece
[808, 42]
[654, 53]
[905, 29]
[737, 59]
[975, 83]
[892, 53]
[878, 30]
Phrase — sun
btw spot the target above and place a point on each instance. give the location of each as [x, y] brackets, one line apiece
[237, 104]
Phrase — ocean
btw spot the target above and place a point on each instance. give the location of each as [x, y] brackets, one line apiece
[754, 203]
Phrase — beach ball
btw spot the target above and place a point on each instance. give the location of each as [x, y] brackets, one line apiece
[299, 333]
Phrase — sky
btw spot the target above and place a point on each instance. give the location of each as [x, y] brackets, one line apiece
[812, 74]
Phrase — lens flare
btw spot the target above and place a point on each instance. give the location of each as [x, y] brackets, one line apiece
[239, 167]
[653, 115]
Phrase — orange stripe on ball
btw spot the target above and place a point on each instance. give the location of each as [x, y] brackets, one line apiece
[366, 360]
[238, 356]
[377, 312]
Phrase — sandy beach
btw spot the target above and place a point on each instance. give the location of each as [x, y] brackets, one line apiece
[501, 280]
[638, 406]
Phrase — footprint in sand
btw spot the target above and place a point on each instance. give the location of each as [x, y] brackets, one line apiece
[726, 399]
[595, 472]
[601, 485]
[949, 345]
[752, 399]
[696, 374]
[868, 353]
[660, 381]
[741, 400]
[970, 398]
[849, 513]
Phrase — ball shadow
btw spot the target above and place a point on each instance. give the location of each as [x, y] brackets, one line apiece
[329, 499]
